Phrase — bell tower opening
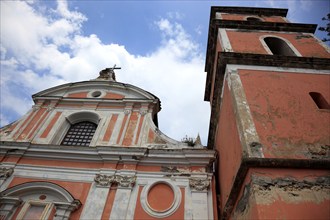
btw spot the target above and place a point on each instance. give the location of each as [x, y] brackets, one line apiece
[278, 46]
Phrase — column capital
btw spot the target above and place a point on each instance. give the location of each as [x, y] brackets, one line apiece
[104, 180]
[125, 181]
[199, 184]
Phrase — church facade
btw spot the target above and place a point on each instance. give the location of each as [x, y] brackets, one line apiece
[93, 150]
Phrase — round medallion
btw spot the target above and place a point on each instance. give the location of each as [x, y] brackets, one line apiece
[160, 199]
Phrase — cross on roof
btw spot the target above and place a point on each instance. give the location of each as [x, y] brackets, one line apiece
[109, 73]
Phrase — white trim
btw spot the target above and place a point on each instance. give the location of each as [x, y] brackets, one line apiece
[224, 40]
[37, 124]
[245, 125]
[323, 44]
[136, 129]
[19, 128]
[218, 15]
[42, 129]
[253, 16]
[125, 126]
[235, 67]
[116, 128]
[264, 44]
[121, 203]
[210, 200]
[170, 210]
[45, 214]
[132, 203]
[262, 31]
[60, 173]
[80, 116]
[95, 202]
[90, 94]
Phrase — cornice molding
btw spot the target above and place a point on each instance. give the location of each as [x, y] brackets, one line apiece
[250, 11]
[100, 154]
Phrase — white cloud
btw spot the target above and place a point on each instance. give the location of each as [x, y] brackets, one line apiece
[32, 53]
[175, 15]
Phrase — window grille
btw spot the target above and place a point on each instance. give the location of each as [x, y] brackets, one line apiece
[80, 134]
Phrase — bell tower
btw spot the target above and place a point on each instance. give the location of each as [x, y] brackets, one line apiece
[268, 84]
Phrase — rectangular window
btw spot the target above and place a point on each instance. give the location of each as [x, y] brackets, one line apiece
[33, 210]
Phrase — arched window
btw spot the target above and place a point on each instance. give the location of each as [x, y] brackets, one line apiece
[253, 19]
[80, 134]
[37, 200]
[77, 129]
[278, 46]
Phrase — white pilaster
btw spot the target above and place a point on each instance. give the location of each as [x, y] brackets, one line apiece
[199, 197]
[120, 204]
[123, 196]
[95, 202]
[199, 204]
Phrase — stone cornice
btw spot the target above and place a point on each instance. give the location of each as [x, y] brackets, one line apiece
[266, 26]
[133, 155]
[247, 163]
[249, 11]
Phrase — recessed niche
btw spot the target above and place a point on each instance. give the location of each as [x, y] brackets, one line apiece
[253, 19]
[319, 100]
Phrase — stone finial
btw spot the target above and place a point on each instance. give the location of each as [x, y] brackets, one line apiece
[108, 73]
[198, 141]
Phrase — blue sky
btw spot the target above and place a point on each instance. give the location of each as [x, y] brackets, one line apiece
[160, 46]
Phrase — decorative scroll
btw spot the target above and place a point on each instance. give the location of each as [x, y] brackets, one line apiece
[199, 184]
[6, 172]
[127, 111]
[35, 107]
[123, 181]
[143, 112]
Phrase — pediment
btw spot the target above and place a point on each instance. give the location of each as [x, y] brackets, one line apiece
[96, 89]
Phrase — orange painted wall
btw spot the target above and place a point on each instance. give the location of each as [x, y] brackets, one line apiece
[241, 17]
[78, 95]
[128, 138]
[110, 127]
[110, 95]
[287, 120]
[248, 42]
[50, 125]
[31, 124]
[77, 190]
[109, 203]
[228, 146]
